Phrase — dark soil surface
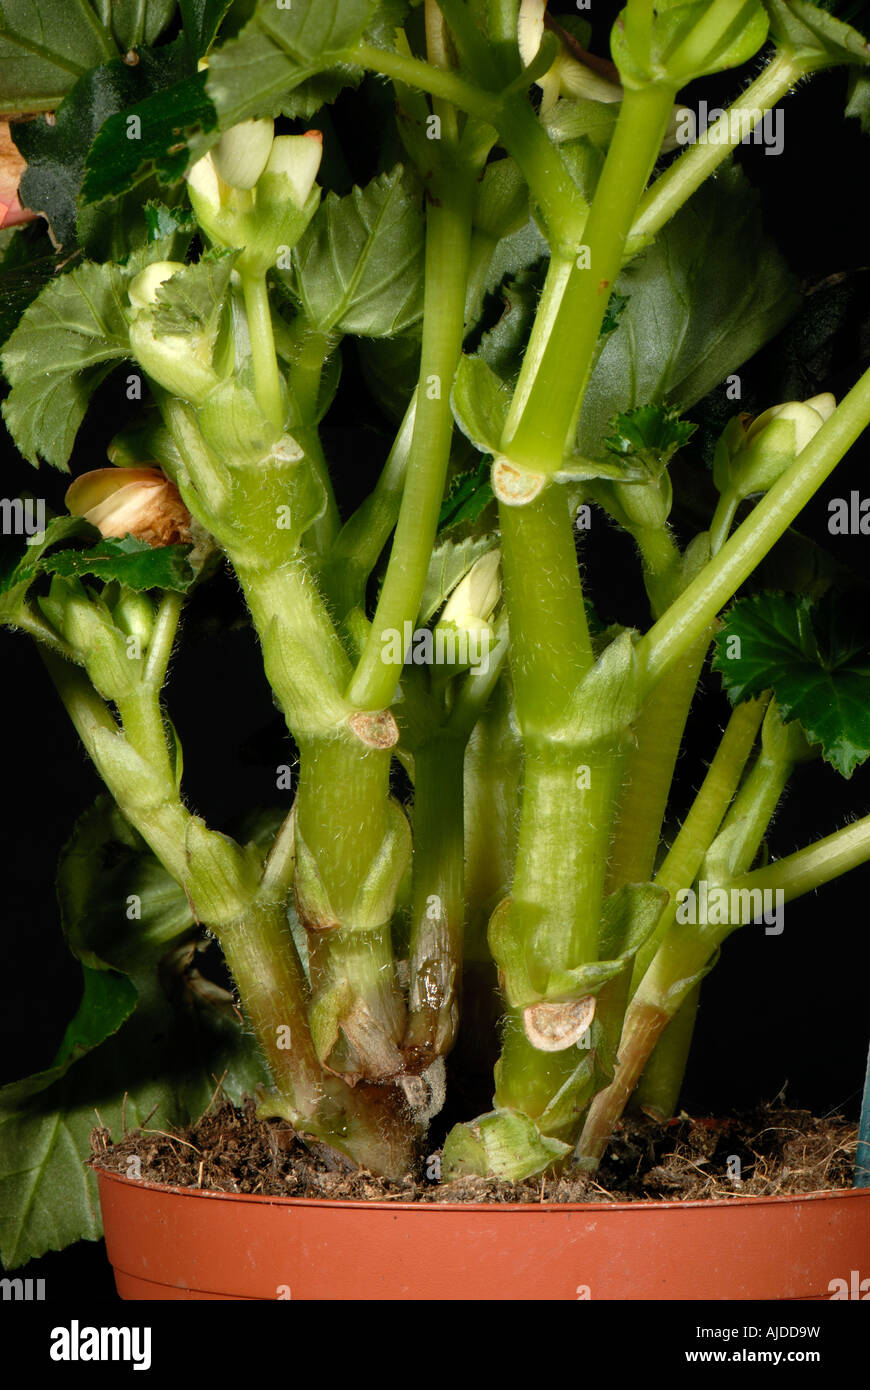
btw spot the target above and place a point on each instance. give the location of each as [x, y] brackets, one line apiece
[773, 1151]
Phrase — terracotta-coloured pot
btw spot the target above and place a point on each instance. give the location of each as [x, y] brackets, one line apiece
[176, 1242]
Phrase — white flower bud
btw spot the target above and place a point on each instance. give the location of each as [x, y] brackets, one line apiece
[143, 289]
[473, 601]
[297, 159]
[750, 457]
[204, 187]
[242, 152]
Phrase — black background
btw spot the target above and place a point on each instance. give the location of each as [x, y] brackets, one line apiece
[785, 1013]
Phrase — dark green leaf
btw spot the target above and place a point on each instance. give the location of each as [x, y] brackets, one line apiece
[467, 498]
[56, 154]
[391, 367]
[698, 308]
[649, 435]
[162, 1059]
[503, 346]
[615, 306]
[138, 22]
[359, 266]
[162, 221]
[45, 46]
[117, 161]
[129, 561]
[17, 576]
[201, 20]
[816, 659]
[858, 104]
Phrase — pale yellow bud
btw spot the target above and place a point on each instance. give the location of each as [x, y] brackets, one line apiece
[143, 289]
[473, 601]
[297, 158]
[242, 153]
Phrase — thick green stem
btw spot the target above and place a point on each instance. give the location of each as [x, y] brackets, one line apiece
[650, 771]
[687, 618]
[546, 427]
[342, 813]
[568, 805]
[550, 647]
[437, 903]
[352, 847]
[447, 253]
[304, 661]
[262, 959]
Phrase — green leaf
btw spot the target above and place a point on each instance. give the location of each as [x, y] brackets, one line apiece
[391, 368]
[504, 1143]
[116, 162]
[816, 659]
[814, 35]
[697, 309]
[359, 266]
[45, 46]
[312, 31]
[138, 22]
[649, 435]
[162, 1058]
[68, 341]
[480, 403]
[256, 74]
[129, 561]
[201, 20]
[16, 579]
[162, 221]
[468, 497]
[503, 346]
[56, 154]
[858, 104]
[579, 118]
[449, 564]
[191, 301]
[105, 868]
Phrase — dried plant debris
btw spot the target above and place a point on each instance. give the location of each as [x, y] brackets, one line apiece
[773, 1151]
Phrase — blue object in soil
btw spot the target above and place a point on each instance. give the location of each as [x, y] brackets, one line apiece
[862, 1157]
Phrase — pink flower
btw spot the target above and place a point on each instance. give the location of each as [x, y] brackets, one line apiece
[12, 166]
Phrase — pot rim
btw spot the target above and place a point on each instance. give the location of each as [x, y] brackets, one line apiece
[643, 1204]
